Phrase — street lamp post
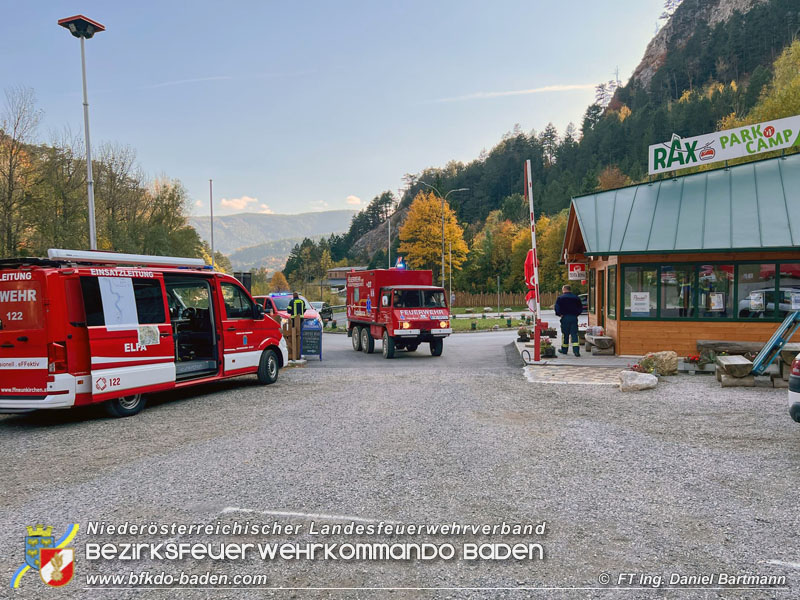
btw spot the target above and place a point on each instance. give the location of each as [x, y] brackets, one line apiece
[443, 199]
[84, 28]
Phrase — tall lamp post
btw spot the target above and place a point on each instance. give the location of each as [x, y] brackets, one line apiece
[443, 199]
[84, 28]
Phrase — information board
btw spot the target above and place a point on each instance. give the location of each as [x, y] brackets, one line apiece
[311, 338]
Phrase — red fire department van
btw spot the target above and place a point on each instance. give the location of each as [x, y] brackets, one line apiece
[80, 328]
[401, 308]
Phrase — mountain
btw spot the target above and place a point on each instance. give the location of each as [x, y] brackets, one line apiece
[269, 255]
[680, 28]
[232, 232]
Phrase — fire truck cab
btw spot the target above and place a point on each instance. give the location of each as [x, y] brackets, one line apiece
[402, 308]
[81, 328]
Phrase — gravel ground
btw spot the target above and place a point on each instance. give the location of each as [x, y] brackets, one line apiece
[687, 478]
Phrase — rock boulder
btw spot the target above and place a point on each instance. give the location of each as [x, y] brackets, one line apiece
[631, 381]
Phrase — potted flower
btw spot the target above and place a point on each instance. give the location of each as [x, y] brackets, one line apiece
[523, 335]
[547, 348]
[696, 363]
[473, 325]
[549, 332]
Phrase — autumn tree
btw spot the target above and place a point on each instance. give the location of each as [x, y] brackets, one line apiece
[611, 178]
[421, 234]
[549, 240]
[278, 283]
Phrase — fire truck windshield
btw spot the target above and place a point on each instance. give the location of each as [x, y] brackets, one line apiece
[418, 299]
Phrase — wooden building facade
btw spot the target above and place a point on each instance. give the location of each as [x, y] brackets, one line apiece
[713, 255]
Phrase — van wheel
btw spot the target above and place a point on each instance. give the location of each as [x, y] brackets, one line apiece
[437, 346]
[356, 338]
[268, 367]
[126, 406]
[388, 345]
[367, 341]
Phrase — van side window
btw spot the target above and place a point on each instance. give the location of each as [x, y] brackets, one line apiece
[148, 295]
[92, 303]
[149, 301]
[237, 304]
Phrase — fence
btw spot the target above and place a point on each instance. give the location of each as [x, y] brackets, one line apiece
[507, 299]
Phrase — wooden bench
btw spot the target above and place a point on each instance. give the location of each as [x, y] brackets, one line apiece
[599, 344]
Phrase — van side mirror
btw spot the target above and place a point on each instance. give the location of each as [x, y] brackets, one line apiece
[259, 310]
[384, 300]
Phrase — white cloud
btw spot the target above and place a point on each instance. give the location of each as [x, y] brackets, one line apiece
[199, 203]
[238, 203]
[354, 200]
[540, 90]
[266, 210]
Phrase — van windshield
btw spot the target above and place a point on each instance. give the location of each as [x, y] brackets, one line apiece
[20, 301]
[281, 302]
[418, 299]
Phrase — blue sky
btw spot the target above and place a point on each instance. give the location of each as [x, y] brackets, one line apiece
[297, 106]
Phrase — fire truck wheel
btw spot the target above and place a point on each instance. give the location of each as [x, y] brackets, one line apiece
[411, 347]
[436, 347]
[388, 345]
[125, 407]
[268, 367]
[367, 341]
[356, 338]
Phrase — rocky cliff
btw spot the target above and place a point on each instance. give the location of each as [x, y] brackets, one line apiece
[681, 25]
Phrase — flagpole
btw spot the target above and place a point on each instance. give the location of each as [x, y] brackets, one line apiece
[537, 322]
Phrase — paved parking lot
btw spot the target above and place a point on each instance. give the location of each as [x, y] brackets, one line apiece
[686, 479]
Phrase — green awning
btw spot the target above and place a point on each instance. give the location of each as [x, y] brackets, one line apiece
[751, 206]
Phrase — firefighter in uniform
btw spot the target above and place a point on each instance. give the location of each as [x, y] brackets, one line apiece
[568, 307]
[296, 306]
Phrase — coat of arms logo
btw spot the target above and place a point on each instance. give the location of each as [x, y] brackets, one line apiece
[54, 561]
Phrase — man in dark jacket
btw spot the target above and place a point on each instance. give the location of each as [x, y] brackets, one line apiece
[568, 307]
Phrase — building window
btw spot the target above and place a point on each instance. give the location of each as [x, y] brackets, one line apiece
[755, 288]
[789, 289]
[611, 298]
[677, 286]
[715, 291]
[591, 290]
[640, 292]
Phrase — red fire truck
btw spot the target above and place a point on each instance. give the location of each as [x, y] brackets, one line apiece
[401, 308]
[86, 327]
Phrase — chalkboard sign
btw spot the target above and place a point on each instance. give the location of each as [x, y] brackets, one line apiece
[311, 338]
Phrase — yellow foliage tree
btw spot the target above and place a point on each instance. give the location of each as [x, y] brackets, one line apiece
[549, 239]
[278, 283]
[612, 178]
[421, 234]
[781, 98]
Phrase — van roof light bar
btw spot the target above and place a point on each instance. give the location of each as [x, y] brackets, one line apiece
[91, 256]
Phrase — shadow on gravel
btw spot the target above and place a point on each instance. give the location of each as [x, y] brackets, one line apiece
[82, 414]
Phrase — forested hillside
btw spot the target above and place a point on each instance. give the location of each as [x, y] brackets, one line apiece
[712, 65]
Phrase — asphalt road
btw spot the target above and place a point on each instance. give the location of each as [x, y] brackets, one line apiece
[683, 479]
